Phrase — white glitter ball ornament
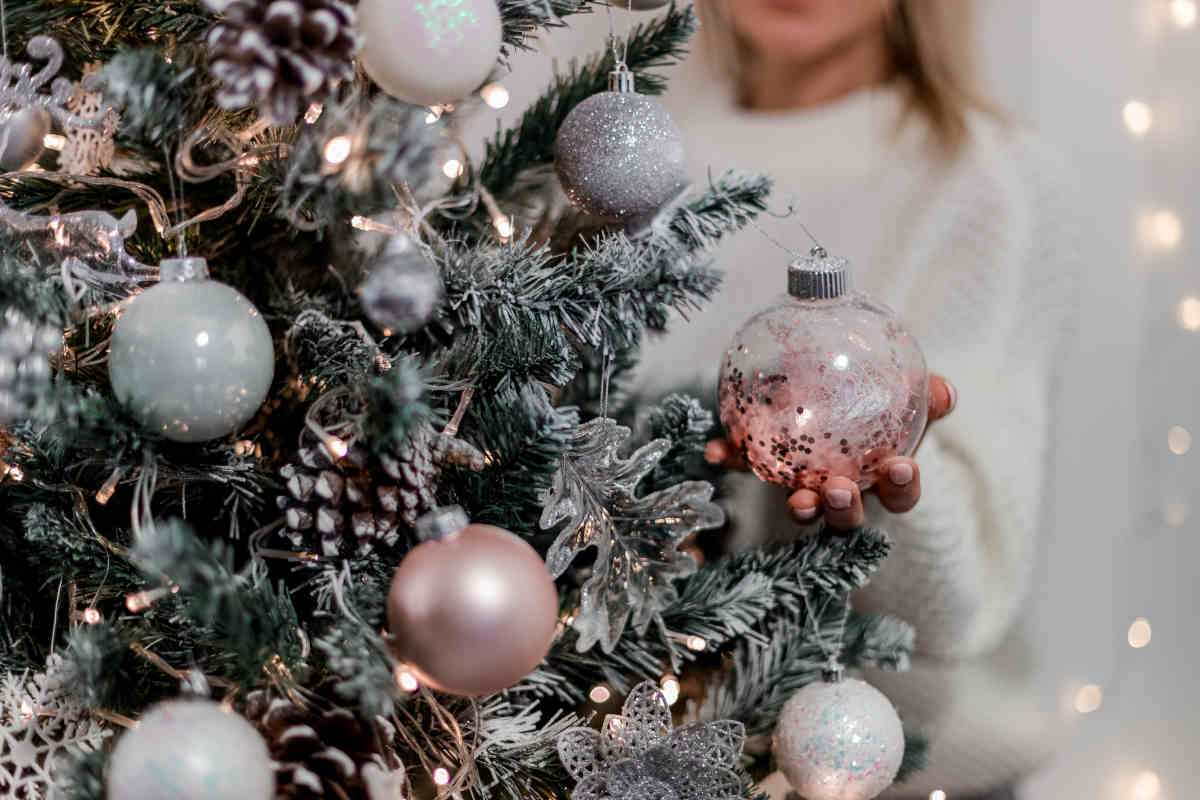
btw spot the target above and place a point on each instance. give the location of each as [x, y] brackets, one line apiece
[191, 750]
[429, 52]
[825, 382]
[619, 155]
[192, 358]
[839, 741]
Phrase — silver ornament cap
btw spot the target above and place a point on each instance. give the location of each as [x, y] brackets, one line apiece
[819, 276]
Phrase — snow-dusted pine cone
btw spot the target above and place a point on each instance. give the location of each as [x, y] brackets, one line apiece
[327, 753]
[279, 54]
[25, 348]
[352, 504]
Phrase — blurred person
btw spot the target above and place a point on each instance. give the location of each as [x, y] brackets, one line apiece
[865, 112]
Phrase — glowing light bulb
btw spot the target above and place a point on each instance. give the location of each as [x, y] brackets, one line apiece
[504, 227]
[1146, 786]
[314, 113]
[453, 168]
[937, 794]
[670, 689]
[1183, 12]
[338, 447]
[1161, 230]
[1179, 440]
[1139, 633]
[495, 95]
[91, 616]
[697, 643]
[1175, 513]
[599, 694]
[1189, 313]
[337, 149]
[26, 709]
[1138, 117]
[54, 141]
[406, 680]
[441, 776]
[1089, 699]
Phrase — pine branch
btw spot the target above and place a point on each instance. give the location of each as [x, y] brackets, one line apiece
[729, 204]
[522, 18]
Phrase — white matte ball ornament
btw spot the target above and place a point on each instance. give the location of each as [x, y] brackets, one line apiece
[192, 358]
[191, 749]
[839, 741]
[429, 52]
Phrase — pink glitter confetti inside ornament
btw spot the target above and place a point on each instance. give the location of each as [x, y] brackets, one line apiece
[825, 382]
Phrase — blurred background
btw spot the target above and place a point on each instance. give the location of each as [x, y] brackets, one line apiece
[1112, 85]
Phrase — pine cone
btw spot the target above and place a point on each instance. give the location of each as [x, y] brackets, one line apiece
[327, 754]
[277, 53]
[349, 504]
[25, 348]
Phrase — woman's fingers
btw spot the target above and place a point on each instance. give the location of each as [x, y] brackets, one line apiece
[943, 397]
[843, 505]
[898, 484]
[805, 505]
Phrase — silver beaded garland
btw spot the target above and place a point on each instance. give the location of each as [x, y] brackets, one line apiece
[25, 348]
[619, 155]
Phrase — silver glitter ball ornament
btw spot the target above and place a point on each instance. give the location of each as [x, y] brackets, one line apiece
[839, 741]
[22, 138]
[619, 155]
[403, 287]
[191, 357]
[191, 750]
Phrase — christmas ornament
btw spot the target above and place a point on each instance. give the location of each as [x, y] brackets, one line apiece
[839, 740]
[343, 506]
[429, 53]
[25, 349]
[88, 149]
[26, 113]
[474, 611]
[825, 382]
[403, 287]
[637, 756]
[619, 155]
[281, 54]
[191, 749]
[636, 538]
[327, 753]
[191, 357]
[22, 136]
[41, 721]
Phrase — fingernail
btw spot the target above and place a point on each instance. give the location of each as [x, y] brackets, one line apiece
[950, 390]
[714, 453]
[839, 498]
[900, 474]
[805, 514]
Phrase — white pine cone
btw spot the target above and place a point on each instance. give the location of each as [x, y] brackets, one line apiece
[277, 54]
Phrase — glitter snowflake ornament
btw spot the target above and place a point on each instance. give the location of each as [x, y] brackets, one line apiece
[40, 720]
[825, 382]
[639, 756]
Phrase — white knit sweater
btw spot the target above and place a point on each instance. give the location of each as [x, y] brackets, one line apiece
[976, 255]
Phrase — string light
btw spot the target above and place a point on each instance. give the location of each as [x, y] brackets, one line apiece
[91, 616]
[1138, 117]
[337, 149]
[1139, 633]
[337, 447]
[26, 710]
[937, 794]
[1189, 313]
[406, 680]
[1179, 440]
[1175, 513]
[1183, 12]
[1146, 786]
[495, 95]
[1089, 699]
[314, 113]
[453, 168]
[1161, 230]
[697, 643]
[670, 689]
[54, 141]
[441, 776]
[504, 227]
[599, 694]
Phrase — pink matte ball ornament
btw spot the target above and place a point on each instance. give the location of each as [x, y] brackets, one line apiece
[825, 382]
[473, 608]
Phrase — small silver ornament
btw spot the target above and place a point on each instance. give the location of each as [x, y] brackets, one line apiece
[191, 357]
[637, 756]
[403, 287]
[619, 155]
[839, 741]
[25, 349]
[191, 750]
[22, 138]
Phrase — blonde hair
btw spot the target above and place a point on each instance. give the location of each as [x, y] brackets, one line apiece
[929, 46]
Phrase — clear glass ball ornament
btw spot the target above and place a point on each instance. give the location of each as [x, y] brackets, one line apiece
[825, 382]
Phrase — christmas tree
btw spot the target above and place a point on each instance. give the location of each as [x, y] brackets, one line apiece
[321, 478]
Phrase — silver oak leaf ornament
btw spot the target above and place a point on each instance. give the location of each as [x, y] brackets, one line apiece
[636, 538]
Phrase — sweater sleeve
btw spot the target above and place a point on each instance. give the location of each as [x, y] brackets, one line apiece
[994, 271]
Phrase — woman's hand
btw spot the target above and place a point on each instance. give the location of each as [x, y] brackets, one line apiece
[898, 484]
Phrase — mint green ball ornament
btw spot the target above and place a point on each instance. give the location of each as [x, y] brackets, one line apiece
[191, 357]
